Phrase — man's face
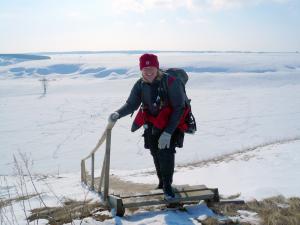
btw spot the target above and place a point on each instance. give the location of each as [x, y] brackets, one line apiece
[149, 73]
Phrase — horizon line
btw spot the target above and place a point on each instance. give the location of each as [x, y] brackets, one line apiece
[142, 51]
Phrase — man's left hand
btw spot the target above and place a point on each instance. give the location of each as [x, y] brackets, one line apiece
[164, 140]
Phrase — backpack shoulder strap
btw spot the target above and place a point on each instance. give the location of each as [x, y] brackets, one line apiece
[163, 87]
[166, 81]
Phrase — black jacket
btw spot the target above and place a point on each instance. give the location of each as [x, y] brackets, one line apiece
[148, 95]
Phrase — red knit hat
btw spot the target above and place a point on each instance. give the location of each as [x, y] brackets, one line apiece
[148, 60]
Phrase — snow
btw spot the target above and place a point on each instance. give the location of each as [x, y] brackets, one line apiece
[234, 111]
[247, 107]
[265, 171]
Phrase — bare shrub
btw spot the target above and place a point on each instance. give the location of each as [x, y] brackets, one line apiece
[75, 209]
[67, 212]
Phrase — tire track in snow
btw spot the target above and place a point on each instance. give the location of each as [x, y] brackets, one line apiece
[226, 157]
[249, 117]
[233, 156]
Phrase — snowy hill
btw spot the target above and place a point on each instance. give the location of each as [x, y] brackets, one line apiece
[10, 59]
[123, 63]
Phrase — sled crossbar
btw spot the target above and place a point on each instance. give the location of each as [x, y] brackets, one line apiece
[160, 192]
[182, 195]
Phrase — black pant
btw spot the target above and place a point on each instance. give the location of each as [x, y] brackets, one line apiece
[152, 134]
[164, 161]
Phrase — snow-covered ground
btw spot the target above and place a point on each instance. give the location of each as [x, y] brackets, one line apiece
[242, 102]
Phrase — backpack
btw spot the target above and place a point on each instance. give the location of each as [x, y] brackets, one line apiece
[181, 75]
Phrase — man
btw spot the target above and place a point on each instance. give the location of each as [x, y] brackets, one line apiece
[163, 100]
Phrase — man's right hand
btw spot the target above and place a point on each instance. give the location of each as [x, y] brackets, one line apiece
[113, 117]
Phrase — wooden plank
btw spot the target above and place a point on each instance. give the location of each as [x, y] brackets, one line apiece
[177, 189]
[102, 175]
[93, 172]
[204, 195]
[161, 196]
[231, 201]
[216, 192]
[83, 172]
[107, 164]
[187, 194]
[116, 203]
[189, 188]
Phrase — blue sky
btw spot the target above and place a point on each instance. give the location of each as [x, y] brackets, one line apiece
[95, 25]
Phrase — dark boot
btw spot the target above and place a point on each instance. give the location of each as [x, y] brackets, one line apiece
[167, 163]
[154, 154]
[160, 185]
[168, 190]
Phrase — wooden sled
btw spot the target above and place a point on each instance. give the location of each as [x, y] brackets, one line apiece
[183, 194]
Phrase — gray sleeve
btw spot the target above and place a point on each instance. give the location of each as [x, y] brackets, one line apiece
[177, 100]
[133, 102]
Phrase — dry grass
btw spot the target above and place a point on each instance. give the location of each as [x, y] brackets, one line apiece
[210, 221]
[6, 202]
[278, 210]
[272, 211]
[68, 212]
[214, 221]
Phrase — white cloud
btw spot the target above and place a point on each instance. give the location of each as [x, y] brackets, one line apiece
[163, 21]
[7, 15]
[226, 4]
[73, 14]
[191, 21]
[128, 5]
[139, 24]
[144, 5]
